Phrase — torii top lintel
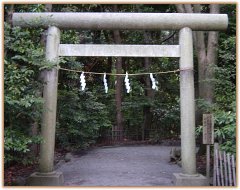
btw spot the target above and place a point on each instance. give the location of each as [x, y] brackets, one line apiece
[129, 21]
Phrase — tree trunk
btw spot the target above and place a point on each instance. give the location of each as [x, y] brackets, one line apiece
[34, 132]
[147, 114]
[10, 11]
[118, 129]
[207, 59]
[206, 53]
[211, 59]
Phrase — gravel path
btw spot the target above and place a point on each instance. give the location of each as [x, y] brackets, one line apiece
[121, 166]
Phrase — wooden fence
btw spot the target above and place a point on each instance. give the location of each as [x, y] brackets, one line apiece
[224, 170]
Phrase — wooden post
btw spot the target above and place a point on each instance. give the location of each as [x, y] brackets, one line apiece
[217, 165]
[233, 171]
[187, 103]
[50, 102]
[208, 162]
[208, 138]
[221, 168]
[229, 169]
[225, 168]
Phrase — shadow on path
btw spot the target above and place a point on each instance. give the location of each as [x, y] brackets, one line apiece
[121, 166]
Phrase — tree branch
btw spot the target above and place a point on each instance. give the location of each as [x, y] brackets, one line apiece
[168, 37]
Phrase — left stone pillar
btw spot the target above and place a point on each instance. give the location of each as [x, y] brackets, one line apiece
[46, 175]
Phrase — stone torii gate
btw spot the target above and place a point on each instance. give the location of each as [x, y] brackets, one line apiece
[186, 23]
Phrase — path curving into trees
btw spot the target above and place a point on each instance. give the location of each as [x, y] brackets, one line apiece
[146, 165]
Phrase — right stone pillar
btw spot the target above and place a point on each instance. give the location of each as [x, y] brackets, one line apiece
[189, 176]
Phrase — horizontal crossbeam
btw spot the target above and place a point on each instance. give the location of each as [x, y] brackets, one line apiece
[119, 50]
[130, 21]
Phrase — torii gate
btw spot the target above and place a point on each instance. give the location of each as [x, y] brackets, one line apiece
[186, 23]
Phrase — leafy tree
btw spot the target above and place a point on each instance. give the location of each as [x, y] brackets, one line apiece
[22, 104]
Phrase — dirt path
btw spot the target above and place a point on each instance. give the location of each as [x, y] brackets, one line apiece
[121, 166]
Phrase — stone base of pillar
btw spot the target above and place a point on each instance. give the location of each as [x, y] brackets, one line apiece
[45, 179]
[180, 179]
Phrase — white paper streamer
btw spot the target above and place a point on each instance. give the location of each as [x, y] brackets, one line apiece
[154, 82]
[127, 84]
[82, 80]
[105, 83]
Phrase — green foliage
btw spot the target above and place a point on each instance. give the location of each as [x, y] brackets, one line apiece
[225, 92]
[226, 73]
[19, 92]
[17, 146]
[80, 117]
[23, 45]
[22, 91]
[225, 130]
[132, 108]
[167, 118]
[20, 86]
